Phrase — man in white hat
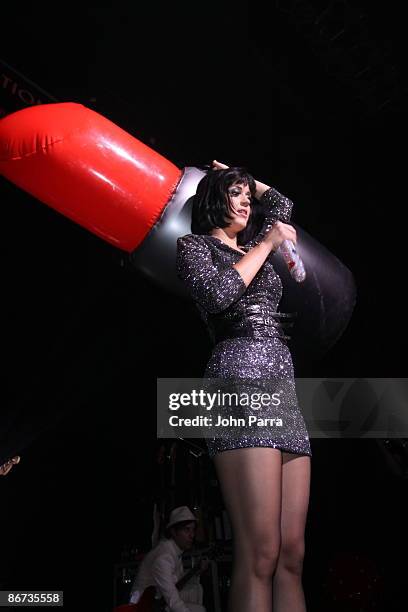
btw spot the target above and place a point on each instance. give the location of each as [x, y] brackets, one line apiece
[162, 567]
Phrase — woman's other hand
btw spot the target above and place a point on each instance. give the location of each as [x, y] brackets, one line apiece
[6, 467]
[260, 188]
[216, 165]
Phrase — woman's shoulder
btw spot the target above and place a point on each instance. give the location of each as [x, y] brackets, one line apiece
[191, 245]
[191, 239]
[192, 236]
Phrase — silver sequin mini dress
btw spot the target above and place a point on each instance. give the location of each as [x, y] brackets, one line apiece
[247, 331]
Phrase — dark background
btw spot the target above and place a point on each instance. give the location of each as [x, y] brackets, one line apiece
[310, 97]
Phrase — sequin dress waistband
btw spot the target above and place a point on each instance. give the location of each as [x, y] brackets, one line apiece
[255, 325]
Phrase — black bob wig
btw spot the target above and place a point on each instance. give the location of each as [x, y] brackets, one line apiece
[211, 207]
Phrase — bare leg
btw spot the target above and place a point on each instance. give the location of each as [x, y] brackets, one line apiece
[250, 481]
[287, 583]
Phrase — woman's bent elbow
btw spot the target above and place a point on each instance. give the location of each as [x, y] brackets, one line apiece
[218, 304]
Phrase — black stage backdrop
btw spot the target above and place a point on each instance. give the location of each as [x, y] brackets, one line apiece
[310, 97]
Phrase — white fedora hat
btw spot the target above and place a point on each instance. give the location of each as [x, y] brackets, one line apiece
[182, 513]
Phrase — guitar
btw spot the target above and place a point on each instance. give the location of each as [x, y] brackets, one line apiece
[150, 602]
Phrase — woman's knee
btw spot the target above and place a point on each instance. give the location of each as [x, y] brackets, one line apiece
[264, 559]
[291, 555]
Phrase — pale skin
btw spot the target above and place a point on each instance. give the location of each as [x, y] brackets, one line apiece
[265, 490]
[6, 467]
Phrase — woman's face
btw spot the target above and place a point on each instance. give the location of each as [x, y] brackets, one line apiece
[240, 198]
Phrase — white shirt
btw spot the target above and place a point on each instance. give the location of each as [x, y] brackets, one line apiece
[162, 567]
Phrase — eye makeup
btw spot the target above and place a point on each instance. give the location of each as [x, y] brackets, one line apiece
[234, 192]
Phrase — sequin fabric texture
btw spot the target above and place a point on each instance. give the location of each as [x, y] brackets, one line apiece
[247, 331]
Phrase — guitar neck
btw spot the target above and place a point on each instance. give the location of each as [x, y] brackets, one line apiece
[186, 577]
[194, 570]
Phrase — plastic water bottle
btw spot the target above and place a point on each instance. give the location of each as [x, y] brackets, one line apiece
[293, 261]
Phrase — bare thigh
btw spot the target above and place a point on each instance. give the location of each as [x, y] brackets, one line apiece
[251, 482]
[296, 472]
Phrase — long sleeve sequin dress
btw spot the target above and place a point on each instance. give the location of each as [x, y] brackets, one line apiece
[246, 329]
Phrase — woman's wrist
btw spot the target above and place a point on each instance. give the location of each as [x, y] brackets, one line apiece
[260, 189]
[267, 245]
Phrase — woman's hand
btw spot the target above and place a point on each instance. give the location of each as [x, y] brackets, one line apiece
[278, 233]
[6, 467]
[260, 188]
[216, 165]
